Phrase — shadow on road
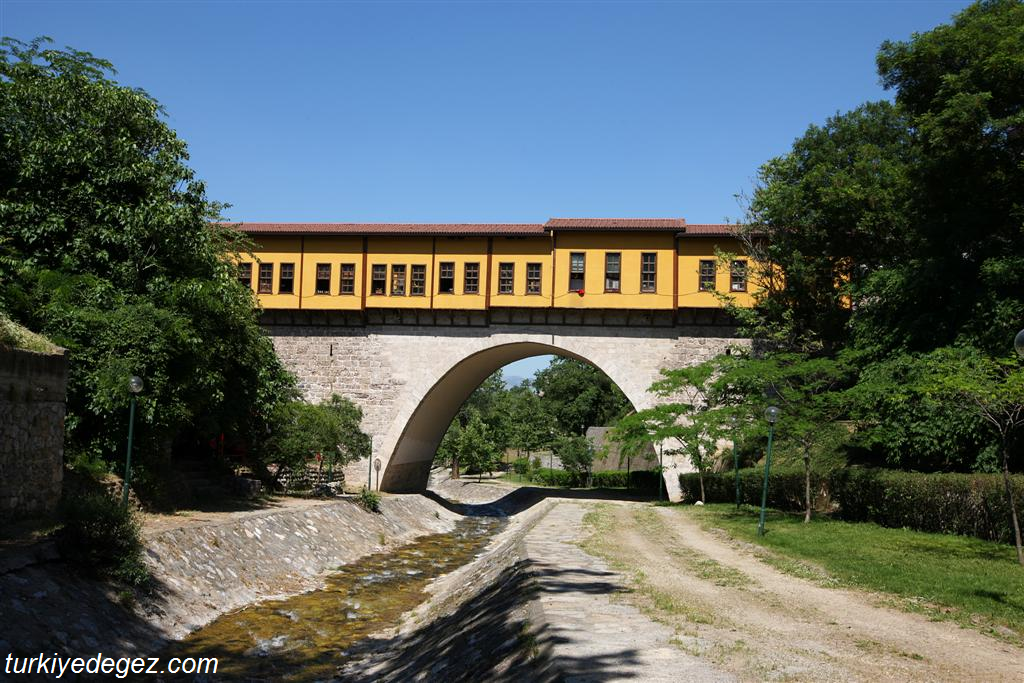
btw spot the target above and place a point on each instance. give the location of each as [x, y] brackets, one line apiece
[493, 636]
[525, 497]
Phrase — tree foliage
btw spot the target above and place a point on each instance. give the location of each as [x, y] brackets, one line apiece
[112, 249]
[578, 395]
[331, 429]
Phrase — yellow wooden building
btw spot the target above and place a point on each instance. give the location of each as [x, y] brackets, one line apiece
[565, 263]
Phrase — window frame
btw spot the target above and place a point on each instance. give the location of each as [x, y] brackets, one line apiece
[742, 263]
[650, 287]
[537, 280]
[379, 268]
[581, 277]
[702, 276]
[441, 277]
[418, 274]
[398, 277]
[317, 291]
[267, 268]
[510, 278]
[281, 279]
[617, 273]
[467, 277]
[245, 280]
[350, 280]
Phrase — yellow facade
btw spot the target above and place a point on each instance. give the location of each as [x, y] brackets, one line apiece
[405, 252]
[461, 256]
[694, 250]
[657, 270]
[519, 254]
[595, 248]
[335, 253]
[272, 253]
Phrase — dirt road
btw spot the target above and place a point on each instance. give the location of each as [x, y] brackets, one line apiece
[744, 617]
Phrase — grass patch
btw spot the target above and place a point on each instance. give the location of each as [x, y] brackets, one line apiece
[13, 335]
[973, 582]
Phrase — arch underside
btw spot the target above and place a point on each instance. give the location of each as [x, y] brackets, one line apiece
[408, 468]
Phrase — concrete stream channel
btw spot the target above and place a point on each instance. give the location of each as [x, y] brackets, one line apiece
[447, 606]
[437, 586]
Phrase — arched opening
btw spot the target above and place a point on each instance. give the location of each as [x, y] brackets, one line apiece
[408, 468]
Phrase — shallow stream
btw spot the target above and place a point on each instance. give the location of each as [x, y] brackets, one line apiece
[306, 637]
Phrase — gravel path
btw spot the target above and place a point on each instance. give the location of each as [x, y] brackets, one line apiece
[758, 623]
[593, 636]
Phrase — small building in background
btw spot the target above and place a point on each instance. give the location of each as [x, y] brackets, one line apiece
[607, 453]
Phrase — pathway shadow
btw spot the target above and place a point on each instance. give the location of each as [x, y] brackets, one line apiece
[492, 636]
[526, 497]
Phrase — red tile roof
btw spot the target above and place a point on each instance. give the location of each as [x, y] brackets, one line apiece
[510, 229]
[456, 229]
[710, 230]
[615, 224]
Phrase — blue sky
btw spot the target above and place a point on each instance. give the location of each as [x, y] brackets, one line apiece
[485, 111]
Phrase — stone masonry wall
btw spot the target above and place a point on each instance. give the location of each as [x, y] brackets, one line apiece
[32, 392]
[388, 370]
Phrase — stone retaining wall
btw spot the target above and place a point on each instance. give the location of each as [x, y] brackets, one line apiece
[200, 572]
[32, 392]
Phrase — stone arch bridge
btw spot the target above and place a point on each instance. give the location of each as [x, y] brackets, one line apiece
[410, 371]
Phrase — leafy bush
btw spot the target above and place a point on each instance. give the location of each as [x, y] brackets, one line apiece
[521, 466]
[966, 504]
[550, 477]
[644, 480]
[102, 537]
[785, 488]
[368, 500]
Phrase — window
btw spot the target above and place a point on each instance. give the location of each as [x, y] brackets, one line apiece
[577, 263]
[323, 278]
[379, 279]
[707, 276]
[738, 281]
[286, 280]
[245, 275]
[397, 280]
[648, 272]
[266, 278]
[348, 278]
[446, 278]
[418, 286]
[472, 279]
[612, 271]
[506, 277]
[533, 278]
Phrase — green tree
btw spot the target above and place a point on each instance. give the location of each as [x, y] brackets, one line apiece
[118, 255]
[301, 430]
[899, 422]
[531, 427]
[806, 389]
[959, 85]
[475, 448]
[993, 390]
[824, 216]
[578, 395]
[577, 456]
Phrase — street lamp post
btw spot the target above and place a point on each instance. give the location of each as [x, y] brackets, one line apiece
[772, 414]
[661, 470]
[134, 387]
[735, 459]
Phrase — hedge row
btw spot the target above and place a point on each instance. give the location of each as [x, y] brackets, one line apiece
[638, 479]
[966, 504]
